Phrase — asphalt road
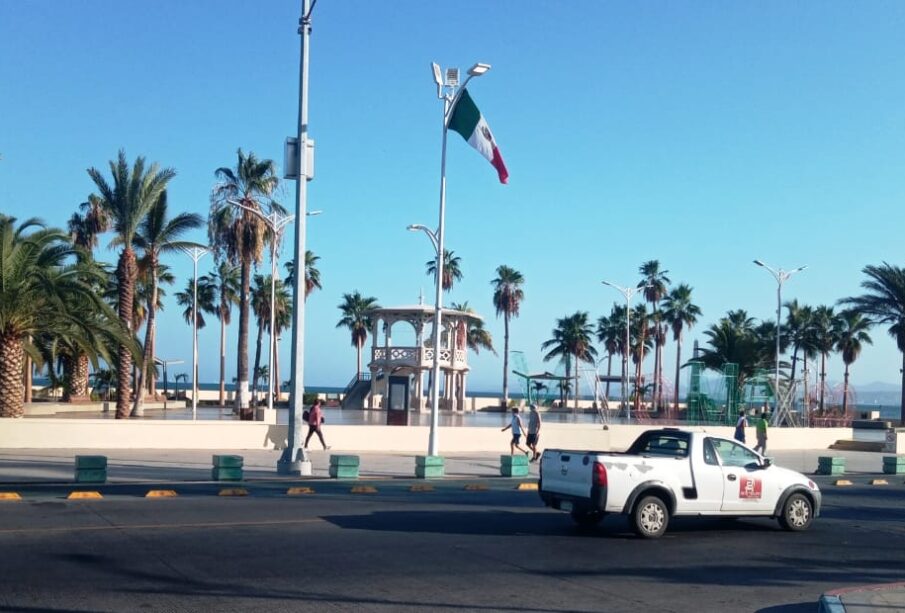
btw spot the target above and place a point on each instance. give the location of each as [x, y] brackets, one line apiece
[446, 550]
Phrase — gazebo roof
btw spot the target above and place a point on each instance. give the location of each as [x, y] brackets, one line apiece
[423, 310]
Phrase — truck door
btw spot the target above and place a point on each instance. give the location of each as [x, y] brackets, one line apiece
[746, 486]
[708, 480]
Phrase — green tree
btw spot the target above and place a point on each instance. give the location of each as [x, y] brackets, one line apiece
[312, 273]
[452, 270]
[507, 300]
[825, 335]
[43, 293]
[158, 235]
[356, 310]
[572, 339]
[260, 305]
[206, 301]
[655, 284]
[680, 313]
[884, 303]
[240, 236]
[477, 336]
[734, 339]
[611, 333]
[126, 203]
[852, 336]
[224, 284]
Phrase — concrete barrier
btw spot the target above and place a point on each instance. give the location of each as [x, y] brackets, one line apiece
[429, 466]
[90, 469]
[830, 465]
[216, 435]
[344, 466]
[227, 468]
[514, 465]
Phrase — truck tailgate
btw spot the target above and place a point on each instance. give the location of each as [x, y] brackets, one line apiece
[567, 472]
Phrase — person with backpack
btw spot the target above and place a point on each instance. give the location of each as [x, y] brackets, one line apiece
[315, 420]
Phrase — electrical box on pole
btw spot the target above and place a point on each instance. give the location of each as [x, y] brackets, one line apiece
[291, 158]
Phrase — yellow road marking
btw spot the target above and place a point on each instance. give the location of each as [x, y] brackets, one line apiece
[527, 486]
[421, 488]
[161, 494]
[842, 482]
[476, 487]
[879, 482]
[233, 491]
[10, 496]
[364, 489]
[297, 491]
[84, 495]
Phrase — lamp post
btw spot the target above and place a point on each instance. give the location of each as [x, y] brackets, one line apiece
[294, 459]
[448, 90]
[627, 292]
[196, 253]
[781, 277]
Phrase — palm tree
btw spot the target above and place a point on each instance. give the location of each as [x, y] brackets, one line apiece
[611, 332]
[127, 202]
[206, 301]
[572, 339]
[41, 293]
[260, 305]
[655, 282]
[356, 311]
[312, 274]
[240, 236]
[507, 299]
[451, 269]
[884, 303]
[797, 329]
[223, 282]
[825, 330]
[852, 329]
[477, 337]
[679, 312]
[734, 339]
[158, 235]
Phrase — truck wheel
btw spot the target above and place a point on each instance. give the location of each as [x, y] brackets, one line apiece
[587, 519]
[797, 513]
[650, 517]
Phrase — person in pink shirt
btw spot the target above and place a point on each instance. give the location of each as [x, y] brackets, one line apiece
[315, 419]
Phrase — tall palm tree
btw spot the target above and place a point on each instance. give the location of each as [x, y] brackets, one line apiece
[655, 284]
[680, 313]
[572, 339]
[507, 299]
[825, 328]
[260, 305]
[356, 310]
[452, 270]
[611, 333]
[852, 329]
[797, 329]
[127, 202]
[158, 235]
[43, 293]
[224, 283]
[206, 301]
[312, 273]
[240, 236]
[884, 303]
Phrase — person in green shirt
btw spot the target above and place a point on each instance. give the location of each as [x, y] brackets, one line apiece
[762, 433]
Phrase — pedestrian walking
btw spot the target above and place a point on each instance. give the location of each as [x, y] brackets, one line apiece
[515, 424]
[315, 421]
[534, 422]
[740, 426]
[761, 446]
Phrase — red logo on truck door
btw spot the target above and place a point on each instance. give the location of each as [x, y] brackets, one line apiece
[749, 487]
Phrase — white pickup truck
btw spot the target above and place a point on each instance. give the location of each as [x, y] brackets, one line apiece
[672, 472]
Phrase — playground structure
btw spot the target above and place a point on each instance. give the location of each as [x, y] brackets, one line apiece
[716, 400]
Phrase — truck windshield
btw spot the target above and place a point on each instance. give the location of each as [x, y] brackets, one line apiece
[669, 444]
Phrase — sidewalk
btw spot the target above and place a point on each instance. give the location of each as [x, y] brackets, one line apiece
[152, 465]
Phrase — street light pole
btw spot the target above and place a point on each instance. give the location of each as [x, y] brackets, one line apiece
[294, 460]
[781, 277]
[448, 91]
[196, 253]
[627, 292]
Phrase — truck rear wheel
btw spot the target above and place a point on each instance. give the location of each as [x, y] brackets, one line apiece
[587, 519]
[650, 517]
[797, 513]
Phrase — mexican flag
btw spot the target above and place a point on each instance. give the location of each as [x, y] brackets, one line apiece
[467, 120]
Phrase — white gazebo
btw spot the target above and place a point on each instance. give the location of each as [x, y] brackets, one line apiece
[417, 358]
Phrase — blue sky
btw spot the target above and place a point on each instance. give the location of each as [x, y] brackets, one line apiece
[701, 134]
